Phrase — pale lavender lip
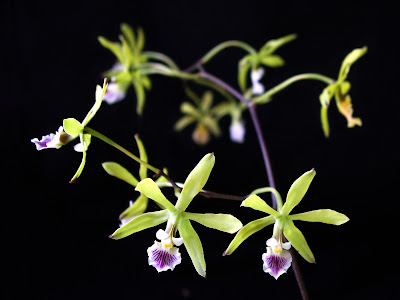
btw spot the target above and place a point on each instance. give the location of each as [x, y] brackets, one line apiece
[163, 258]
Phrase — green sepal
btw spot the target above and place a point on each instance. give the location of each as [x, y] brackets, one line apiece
[137, 208]
[272, 45]
[298, 241]
[140, 96]
[141, 222]
[206, 101]
[184, 122]
[255, 202]
[224, 222]
[128, 34]
[350, 59]
[327, 216]
[149, 188]
[272, 61]
[85, 141]
[244, 67]
[189, 109]
[114, 47]
[247, 231]
[143, 156]
[325, 121]
[72, 126]
[297, 191]
[116, 170]
[100, 91]
[195, 181]
[193, 246]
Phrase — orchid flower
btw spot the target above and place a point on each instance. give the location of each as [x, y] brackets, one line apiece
[55, 141]
[204, 115]
[124, 73]
[138, 206]
[73, 129]
[340, 89]
[277, 259]
[164, 255]
[265, 56]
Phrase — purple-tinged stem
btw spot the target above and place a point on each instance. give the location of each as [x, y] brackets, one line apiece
[260, 136]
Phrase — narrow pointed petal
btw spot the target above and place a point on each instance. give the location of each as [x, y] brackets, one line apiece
[195, 181]
[327, 216]
[247, 231]
[297, 191]
[298, 241]
[143, 156]
[116, 170]
[142, 222]
[255, 202]
[137, 208]
[193, 246]
[149, 188]
[223, 222]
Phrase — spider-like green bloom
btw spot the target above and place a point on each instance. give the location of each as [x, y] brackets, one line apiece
[277, 259]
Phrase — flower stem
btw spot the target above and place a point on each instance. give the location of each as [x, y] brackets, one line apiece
[159, 172]
[306, 76]
[109, 141]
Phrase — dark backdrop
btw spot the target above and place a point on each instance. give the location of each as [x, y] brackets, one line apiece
[57, 244]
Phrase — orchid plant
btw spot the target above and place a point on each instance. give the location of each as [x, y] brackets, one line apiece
[134, 67]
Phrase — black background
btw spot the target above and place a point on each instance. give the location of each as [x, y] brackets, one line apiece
[56, 242]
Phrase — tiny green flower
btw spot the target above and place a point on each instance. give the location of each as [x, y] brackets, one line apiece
[265, 56]
[163, 255]
[277, 260]
[340, 89]
[73, 129]
[125, 72]
[204, 115]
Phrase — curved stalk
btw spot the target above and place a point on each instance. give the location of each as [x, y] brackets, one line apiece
[306, 76]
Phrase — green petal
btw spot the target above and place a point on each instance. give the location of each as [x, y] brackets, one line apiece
[297, 191]
[247, 231]
[350, 59]
[140, 97]
[327, 216]
[255, 202]
[116, 170]
[183, 122]
[193, 246]
[189, 109]
[273, 45]
[195, 181]
[298, 241]
[272, 61]
[143, 156]
[325, 121]
[128, 34]
[141, 222]
[223, 222]
[137, 208]
[85, 138]
[151, 190]
[100, 91]
[114, 47]
[72, 127]
[244, 67]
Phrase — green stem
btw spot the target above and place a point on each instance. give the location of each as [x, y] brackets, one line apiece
[109, 141]
[306, 76]
[214, 51]
[161, 57]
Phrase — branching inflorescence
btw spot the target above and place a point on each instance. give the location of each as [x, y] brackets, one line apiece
[134, 67]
